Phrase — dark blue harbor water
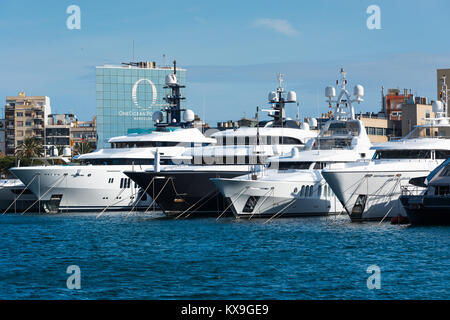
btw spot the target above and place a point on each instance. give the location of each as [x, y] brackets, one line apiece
[145, 258]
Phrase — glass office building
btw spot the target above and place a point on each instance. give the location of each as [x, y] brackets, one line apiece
[128, 95]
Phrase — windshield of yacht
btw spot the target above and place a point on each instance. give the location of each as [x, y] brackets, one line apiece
[440, 132]
[252, 140]
[337, 135]
[154, 144]
[120, 162]
[410, 154]
[289, 165]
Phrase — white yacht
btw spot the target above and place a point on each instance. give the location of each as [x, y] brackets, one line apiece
[97, 181]
[293, 185]
[186, 189]
[370, 190]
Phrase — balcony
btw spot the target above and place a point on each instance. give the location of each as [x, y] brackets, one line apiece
[37, 126]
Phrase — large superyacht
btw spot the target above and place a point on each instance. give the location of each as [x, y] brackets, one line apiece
[293, 185]
[371, 190]
[186, 190]
[97, 182]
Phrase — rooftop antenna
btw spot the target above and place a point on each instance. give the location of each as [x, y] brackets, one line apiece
[164, 60]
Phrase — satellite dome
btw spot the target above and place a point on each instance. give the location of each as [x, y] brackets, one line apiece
[273, 96]
[171, 79]
[291, 96]
[157, 116]
[330, 92]
[313, 122]
[188, 116]
[438, 107]
[67, 152]
[358, 91]
[304, 126]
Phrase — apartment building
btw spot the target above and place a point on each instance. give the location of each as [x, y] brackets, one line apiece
[25, 116]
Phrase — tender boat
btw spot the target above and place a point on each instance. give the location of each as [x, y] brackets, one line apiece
[433, 207]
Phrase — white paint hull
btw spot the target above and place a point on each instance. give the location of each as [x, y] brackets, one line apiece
[381, 183]
[282, 196]
[84, 188]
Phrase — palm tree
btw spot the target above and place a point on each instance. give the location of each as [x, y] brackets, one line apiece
[83, 147]
[30, 148]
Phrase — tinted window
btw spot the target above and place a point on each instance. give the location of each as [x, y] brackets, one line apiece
[402, 154]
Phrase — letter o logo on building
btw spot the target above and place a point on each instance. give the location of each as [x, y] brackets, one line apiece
[134, 92]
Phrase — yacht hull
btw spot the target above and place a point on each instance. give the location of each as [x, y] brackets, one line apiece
[265, 198]
[185, 193]
[82, 188]
[371, 193]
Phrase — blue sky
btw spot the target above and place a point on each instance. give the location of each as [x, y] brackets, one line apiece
[233, 50]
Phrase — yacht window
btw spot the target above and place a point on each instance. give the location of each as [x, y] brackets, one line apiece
[306, 191]
[311, 191]
[319, 191]
[402, 154]
[294, 165]
[121, 161]
[302, 191]
[442, 154]
[290, 140]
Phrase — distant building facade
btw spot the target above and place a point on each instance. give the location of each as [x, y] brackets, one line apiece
[127, 95]
[65, 130]
[84, 131]
[25, 116]
[58, 128]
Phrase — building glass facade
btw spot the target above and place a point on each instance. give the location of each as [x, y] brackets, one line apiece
[127, 96]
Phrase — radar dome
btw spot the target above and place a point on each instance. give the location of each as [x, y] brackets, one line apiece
[157, 116]
[313, 122]
[438, 107]
[304, 126]
[188, 116]
[330, 92]
[358, 91]
[171, 79]
[67, 152]
[273, 96]
[291, 96]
